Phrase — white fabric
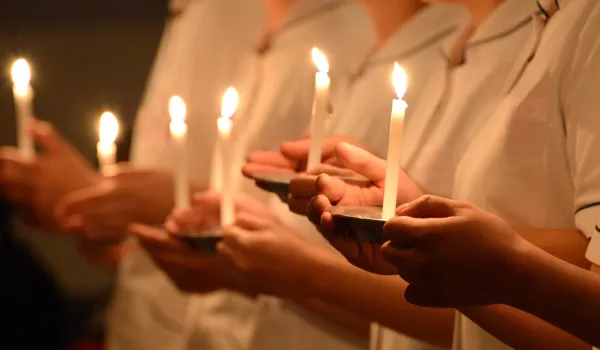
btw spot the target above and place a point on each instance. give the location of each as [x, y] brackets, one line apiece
[198, 57]
[441, 123]
[362, 112]
[276, 93]
[527, 156]
[534, 159]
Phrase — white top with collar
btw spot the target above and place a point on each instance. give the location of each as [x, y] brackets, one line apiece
[362, 112]
[200, 52]
[276, 94]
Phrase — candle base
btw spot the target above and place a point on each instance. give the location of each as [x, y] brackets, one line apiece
[204, 242]
[276, 183]
[364, 223]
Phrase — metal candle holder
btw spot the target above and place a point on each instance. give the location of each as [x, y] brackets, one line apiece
[364, 223]
[276, 183]
[204, 241]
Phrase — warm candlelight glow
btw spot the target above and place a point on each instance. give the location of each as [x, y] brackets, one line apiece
[230, 103]
[21, 74]
[109, 128]
[400, 81]
[320, 60]
[177, 111]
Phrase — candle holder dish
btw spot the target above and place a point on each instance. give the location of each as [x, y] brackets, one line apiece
[364, 223]
[204, 241]
[276, 183]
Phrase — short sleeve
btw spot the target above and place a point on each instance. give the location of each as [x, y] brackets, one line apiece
[580, 88]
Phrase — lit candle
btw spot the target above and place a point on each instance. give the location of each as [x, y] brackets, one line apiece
[395, 144]
[106, 149]
[320, 109]
[23, 94]
[224, 157]
[178, 127]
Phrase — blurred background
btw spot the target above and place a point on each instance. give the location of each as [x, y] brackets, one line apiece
[86, 56]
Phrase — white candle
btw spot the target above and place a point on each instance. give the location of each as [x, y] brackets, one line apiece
[320, 109]
[178, 127]
[224, 157]
[106, 149]
[395, 144]
[23, 94]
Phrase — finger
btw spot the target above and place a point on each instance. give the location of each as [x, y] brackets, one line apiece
[428, 206]
[303, 186]
[361, 161]
[299, 205]
[46, 136]
[80, 202]
[331, 187]
[296, 150]
[316, 208]
[404, 230]
[406, 259]
[328, 169]
[251, 169]
[251, 222]
[235, 237]
[418, 297]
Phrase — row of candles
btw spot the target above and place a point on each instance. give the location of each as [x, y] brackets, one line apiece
[109, 128]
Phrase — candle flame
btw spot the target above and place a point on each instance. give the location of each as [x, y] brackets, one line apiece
[320, 60]
[21, 73]
[177, 109]
[230, 103]
[400, 80]
[109, 128]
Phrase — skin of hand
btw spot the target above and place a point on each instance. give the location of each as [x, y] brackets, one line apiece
[292, 156]
[320, 193]
[189, 270]
[36, 185]
[105, 210]
[452, 253]
[105, 255]
[274, 259]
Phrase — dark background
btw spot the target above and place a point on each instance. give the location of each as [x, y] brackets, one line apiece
[86, 56]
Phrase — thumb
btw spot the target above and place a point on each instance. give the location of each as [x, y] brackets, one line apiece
[428, 207]
[46, 136]
[361, 161]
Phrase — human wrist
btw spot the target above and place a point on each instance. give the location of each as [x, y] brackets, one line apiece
[319, 271]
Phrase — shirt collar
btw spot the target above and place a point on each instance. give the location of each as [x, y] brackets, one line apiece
[508, 17]
[419, 34]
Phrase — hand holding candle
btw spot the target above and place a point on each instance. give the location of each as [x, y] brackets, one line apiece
[178, 127]
[224, 157]
[395, 144]
[320, 108]
[23, 94]
[106, 148]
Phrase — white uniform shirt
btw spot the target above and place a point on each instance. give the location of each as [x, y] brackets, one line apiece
[200, 51]
[276, 94]
[534, 160]
[362, 112]
[526, 156]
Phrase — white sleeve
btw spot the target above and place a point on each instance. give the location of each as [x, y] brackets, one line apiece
[580, 95]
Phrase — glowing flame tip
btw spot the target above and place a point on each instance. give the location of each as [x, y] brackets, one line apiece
[21, 73]
[400, 80]
[320, 60]
[109, 128]
[230, 103]
[177, 109]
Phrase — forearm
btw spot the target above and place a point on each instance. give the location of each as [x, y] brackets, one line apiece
[338, 316]
[538, 290]
[379, 299]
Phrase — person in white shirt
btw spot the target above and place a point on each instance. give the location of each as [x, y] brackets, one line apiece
[527, 157]
[276, 86]
[204, 44]
[412, 27]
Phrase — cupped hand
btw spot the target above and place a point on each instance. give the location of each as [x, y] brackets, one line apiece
[190, 270]
[453, 254]
[314, 195]
[105, 210]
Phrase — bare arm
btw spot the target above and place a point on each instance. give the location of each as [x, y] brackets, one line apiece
[524, 331]
[380, 299]
[338, 316]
